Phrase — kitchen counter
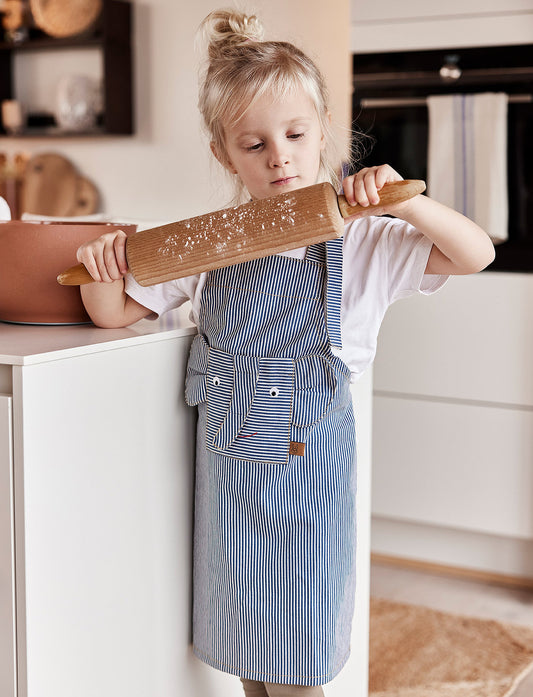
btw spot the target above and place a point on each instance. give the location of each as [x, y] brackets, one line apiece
[30, 344]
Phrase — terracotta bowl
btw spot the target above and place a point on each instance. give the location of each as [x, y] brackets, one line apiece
[32, 254]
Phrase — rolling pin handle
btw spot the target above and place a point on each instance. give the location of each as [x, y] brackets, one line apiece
[75, 276]
[394, 192]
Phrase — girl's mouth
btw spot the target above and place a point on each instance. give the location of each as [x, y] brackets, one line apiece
[284, 180]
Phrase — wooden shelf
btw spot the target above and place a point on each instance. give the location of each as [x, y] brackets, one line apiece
[38, 41]
[112, 36]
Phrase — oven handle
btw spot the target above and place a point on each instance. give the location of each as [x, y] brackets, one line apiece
[454, 74]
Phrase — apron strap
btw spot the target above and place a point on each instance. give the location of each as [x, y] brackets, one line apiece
[330, 254]
[334, 290]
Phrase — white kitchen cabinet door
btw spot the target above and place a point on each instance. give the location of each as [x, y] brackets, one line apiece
[422, 25]
[460, 466]
[473, 340]
[103, 569]
[383, 10]
[7, 598]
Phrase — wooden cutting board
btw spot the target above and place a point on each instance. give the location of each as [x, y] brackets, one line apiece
[52, 186]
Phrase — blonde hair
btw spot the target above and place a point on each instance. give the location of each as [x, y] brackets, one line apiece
[242, 68]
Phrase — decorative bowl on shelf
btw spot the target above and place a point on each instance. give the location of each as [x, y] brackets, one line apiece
[61, 18]
[79, 102]
[32, 254]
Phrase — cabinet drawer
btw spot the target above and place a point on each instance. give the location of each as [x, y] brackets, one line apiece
[456, 465]
[472, 340]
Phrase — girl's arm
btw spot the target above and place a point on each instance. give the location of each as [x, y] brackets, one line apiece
[106, 301]
[459, 245]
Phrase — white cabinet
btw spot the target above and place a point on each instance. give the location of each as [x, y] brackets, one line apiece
[103, 464]
[387, 25]
[7, 589]
[457, 465]
[104, 500]
[387, 10]
[473, 340]
[453, 426]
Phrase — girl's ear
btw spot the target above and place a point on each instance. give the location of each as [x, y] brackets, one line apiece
[222, 158]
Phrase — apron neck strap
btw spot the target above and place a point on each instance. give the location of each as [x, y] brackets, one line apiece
[330, 254]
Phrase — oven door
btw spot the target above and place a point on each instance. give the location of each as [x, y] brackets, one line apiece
[390, 121]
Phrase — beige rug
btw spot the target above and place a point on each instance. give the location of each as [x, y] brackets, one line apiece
[418, 652]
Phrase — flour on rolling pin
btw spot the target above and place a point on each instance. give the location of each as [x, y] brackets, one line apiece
[232, 236]
[234, 224]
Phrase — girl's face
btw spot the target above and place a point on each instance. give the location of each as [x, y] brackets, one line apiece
[276, 145]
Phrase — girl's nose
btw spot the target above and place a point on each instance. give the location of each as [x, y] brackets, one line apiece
[278, 156]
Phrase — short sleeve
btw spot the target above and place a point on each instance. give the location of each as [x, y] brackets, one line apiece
[164, 297]
[407, 253]
[384, 259]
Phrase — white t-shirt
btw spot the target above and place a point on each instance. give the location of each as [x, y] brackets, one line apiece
[384, 259]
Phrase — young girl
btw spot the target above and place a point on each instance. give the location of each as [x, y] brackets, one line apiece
[279, 341]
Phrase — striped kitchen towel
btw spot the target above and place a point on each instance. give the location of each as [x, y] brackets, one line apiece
[467, 157]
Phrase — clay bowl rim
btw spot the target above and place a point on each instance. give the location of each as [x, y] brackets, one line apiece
[68, 222]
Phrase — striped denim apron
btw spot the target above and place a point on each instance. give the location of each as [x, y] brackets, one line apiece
[274, 561]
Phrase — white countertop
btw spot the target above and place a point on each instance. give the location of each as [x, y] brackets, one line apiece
[30, 344]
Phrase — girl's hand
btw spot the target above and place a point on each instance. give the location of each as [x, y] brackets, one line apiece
[105, 257]
[363, 189]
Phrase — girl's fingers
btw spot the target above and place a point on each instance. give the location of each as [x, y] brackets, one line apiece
[359, 188]
[371, 188]
[120, 251]
[105, 257]
[109, 266]
[85, 255]
[385, 174]
[348, 190]
[363, 188]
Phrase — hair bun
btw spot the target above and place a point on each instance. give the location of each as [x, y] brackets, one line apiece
[229, 29]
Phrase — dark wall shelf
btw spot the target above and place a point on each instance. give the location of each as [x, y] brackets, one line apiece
[111, 34]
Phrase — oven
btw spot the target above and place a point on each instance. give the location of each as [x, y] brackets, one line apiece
[390, 110]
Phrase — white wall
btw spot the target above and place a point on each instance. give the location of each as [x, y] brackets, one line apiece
[164, 171]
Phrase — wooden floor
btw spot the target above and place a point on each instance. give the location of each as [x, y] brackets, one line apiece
[457, 595]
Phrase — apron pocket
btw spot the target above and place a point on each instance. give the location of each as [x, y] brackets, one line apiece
[315, 382]
[249, 411]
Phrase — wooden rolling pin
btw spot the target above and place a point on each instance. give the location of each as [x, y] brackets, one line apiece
[234, 235]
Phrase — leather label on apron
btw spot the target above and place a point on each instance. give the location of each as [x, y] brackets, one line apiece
[296, 448]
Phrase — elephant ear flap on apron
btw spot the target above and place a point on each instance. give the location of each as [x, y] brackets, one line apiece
[196, 380]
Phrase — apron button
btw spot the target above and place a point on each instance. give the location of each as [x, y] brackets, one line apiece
[216, 381]
[274, 392]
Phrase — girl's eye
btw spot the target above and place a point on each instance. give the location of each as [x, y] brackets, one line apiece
[252, 148]
[295, 136]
